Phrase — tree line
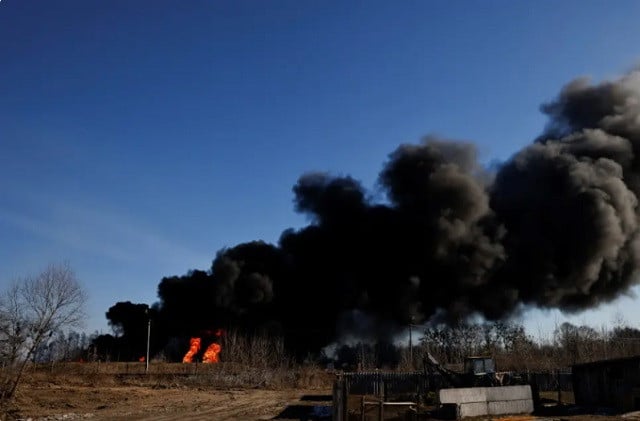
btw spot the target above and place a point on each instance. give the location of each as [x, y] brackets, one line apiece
[508, 342]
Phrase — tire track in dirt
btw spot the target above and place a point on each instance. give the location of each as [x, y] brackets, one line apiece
[230, 405]
[238, 411]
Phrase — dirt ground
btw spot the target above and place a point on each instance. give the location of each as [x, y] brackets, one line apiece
[76, 402]
[145, 403]
[75, 392]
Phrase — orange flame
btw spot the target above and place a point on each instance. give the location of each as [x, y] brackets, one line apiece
[211, 354]
[194, 347]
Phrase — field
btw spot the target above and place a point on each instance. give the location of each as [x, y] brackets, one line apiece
[169, 391]
[176, 391]
[148, 403]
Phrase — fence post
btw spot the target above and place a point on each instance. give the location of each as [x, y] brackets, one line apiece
[345, 400]
[338, 403]
[559, 387]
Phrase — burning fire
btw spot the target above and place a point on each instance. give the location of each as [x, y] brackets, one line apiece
[211, 354]
[194, 347]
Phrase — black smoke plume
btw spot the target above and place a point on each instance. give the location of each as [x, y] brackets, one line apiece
[556, 226]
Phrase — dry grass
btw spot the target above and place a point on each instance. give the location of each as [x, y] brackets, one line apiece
[73, 386]
[223, 375]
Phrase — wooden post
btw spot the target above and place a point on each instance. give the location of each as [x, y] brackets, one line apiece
[338, 403]
[380, 387]
[345, 400]
[362, 408]
[559, 388]
[381, 411]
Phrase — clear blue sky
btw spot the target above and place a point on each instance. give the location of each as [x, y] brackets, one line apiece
[139, 137]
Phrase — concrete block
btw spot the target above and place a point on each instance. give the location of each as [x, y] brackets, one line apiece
[463, 395]
[508, 393]
[479, 401]
[472, 409]
[520, 406]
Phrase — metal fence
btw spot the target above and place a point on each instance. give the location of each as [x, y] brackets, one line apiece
[388, 387]
[390, 383]
[380, 383]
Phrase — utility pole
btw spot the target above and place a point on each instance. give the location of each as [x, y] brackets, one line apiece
[411, 342]
[410, 347]
[146, 367]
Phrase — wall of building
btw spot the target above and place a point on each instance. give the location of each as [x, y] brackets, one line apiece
[609, 383]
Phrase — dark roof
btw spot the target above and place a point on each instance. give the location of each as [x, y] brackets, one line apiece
[635, 358]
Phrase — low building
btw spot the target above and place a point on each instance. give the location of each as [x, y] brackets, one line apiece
[611, 383]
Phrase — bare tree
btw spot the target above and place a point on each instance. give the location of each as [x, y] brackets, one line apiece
[31, 310]
[12, 331]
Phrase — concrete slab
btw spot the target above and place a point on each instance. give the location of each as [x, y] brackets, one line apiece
[521, 406]
[480, 394]
[472, 409]
[463, 395]
[479, 401]
[508, 393]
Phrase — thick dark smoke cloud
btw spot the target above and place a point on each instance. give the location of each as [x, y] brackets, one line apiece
[569, 201]
[555, 226]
